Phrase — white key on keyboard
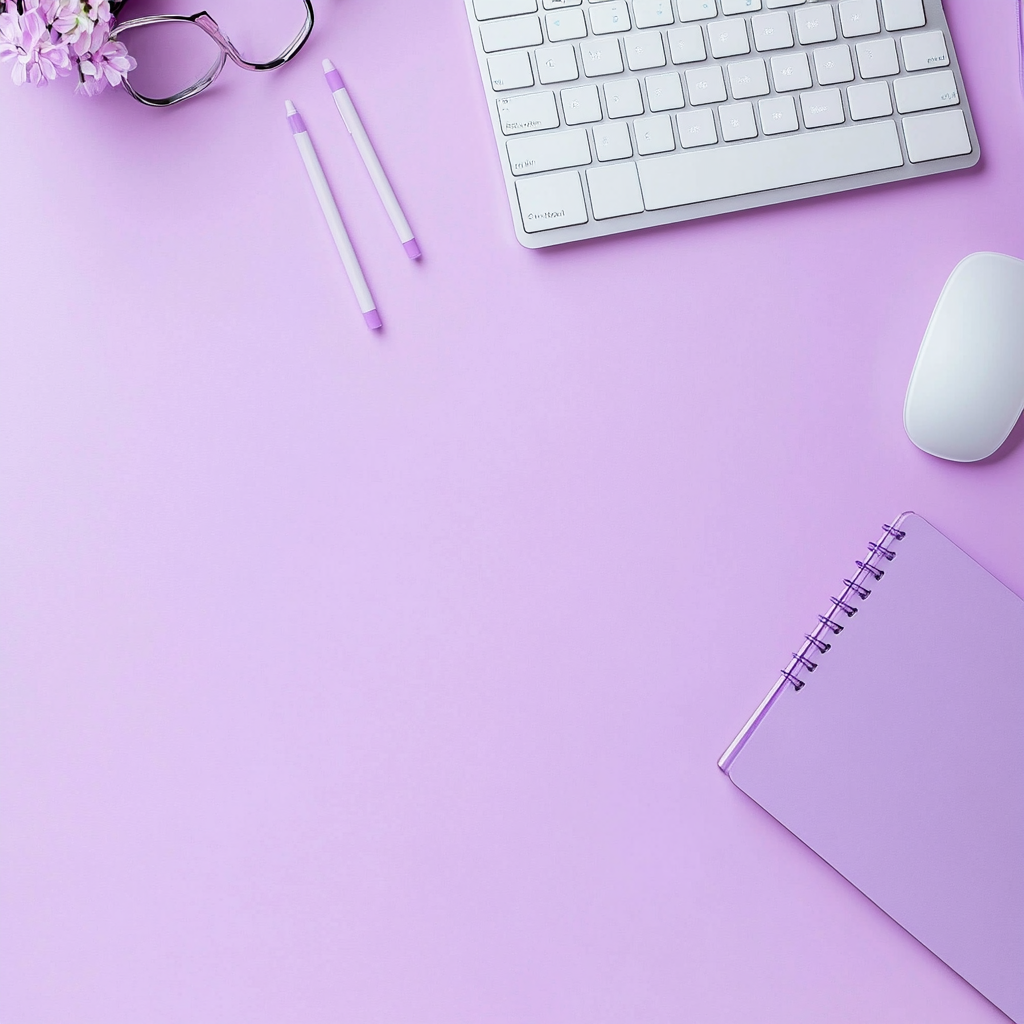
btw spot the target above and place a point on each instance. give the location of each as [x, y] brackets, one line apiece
[551, 201]
[870, 100]
[510, 34]
[696, 10]
[652, 13]
[816, 24]
[614, 191]
[821, 108]
[772, 31]
[664, 92]
[563, 25]
[510, 70]
[902, 14]
[926, 92]
[554, 5]
[612, 141]
[645, 50]
[581, 106]
[737, 121]
[783, 3]
[557, 64]
[924, 50]
[748, 78]
[859, 18]
[791, 72]
[601, 57]
[778, 115]
[686, 44]
[832, 65]
[485, 9]
[705, 85]
[654, 135]
[877, 59]
[527, 113]
[933, 136]
[696, 128]
[622, 98]
[728, 38]
[723, 171]
[551, 152]
[740, 6]
[611, 16]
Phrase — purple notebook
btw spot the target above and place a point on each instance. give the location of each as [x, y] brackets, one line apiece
[893, 746]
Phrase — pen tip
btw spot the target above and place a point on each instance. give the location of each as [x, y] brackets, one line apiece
[328, 65]
[289, 107]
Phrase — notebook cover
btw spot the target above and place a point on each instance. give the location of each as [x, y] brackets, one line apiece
[901, 760]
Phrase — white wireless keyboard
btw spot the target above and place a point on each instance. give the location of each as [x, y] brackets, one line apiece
[613, 115]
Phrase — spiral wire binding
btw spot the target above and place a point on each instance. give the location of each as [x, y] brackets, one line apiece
[853, 590]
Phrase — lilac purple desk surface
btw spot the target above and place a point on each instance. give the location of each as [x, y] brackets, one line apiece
[358, 680]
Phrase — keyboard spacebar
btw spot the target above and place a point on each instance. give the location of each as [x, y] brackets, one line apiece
[698, 175]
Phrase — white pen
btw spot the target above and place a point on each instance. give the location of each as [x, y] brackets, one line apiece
[333, 217]
[380, 180]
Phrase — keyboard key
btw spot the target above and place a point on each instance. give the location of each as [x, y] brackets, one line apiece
[553, 5]
[902, 14]
[581, 105]
[821, 108]
[510, 34]
[791, 72]
[527, 113]
[557, 64]
[778, 115]
[612, 141]
[615, 191]
[748, 78]
[833, 64]
[737, 122]
[683, 178]
[926, 92]
[877, 58]
[652, 13]
[485, 9]
[705, 85]
[867, 101]
[664, 92]
[933, 136]
[601, 58]
[612, 16]
[563, 25]
[645, 50]
[696, 10]
[924, 50]
[772, 31]
[551, 201]
[740, 6]
[816, 24]
[550, 152]
[686, 45]
[622, 98]
[784, 3]
[696, 128]
[859, 18]
[654, 135]
[728, 38]
[510, 70]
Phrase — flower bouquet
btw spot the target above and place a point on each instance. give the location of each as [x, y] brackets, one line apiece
[49, 39]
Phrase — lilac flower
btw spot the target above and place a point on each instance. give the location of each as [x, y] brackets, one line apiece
[107, 62]
[27, 41]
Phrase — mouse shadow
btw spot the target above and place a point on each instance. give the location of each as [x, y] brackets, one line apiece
[1013, 441]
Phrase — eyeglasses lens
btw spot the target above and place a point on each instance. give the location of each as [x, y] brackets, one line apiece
[172, 56]
[261, 30]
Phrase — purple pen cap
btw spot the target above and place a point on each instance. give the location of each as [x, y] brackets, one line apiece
[295, 121]
[333, 76]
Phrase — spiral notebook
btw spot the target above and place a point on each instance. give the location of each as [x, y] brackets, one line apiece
[893, 746]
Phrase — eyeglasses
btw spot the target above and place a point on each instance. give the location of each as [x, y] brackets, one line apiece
[178, 57]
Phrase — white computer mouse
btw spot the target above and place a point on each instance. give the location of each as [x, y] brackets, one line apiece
[967, 389]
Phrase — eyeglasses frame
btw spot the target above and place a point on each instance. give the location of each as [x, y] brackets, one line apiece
[227, 49]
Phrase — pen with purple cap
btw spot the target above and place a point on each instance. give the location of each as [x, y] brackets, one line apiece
[380, 180]
[333, 217]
